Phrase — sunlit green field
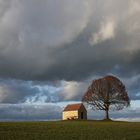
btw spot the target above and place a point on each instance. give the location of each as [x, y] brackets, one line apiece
[69, 130]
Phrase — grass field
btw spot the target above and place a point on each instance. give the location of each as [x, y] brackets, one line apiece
[70, 130]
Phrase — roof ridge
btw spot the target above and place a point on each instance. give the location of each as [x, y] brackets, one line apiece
[72, 107]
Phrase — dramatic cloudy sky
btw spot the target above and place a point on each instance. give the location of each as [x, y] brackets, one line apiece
[51, 50]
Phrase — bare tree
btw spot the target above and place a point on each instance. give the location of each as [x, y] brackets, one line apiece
[107, 93]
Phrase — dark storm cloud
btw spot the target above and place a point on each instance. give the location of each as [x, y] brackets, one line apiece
[16, 91]
[29, 112]
[47, 40]
[22, 112]
[12, 91]
[31, 31]
[132, 86]
[60, 46]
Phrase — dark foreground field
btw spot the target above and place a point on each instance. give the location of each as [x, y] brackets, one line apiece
[71, 130]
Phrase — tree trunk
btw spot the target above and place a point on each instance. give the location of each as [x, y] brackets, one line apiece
[106, 115]
[107, 104]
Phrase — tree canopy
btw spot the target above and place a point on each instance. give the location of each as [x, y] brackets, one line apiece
[107, 93]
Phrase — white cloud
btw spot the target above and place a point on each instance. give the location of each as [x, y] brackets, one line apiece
[128, 119]
[3, 93]
[72, 90]
[106, 31]
[134, 7]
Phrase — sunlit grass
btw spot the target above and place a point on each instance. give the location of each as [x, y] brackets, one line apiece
[70, 130]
